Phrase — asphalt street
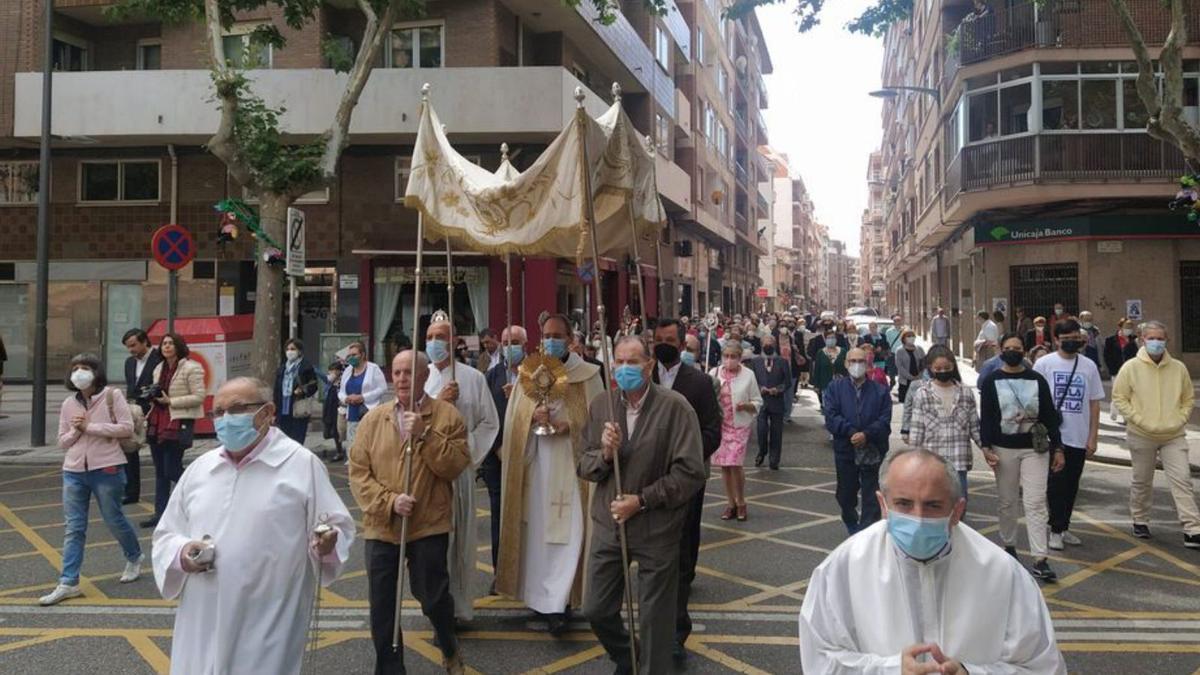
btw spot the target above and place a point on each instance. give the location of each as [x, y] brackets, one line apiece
[1122, 605]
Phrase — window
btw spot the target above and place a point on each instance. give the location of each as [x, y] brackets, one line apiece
[1099, 102]
[710, 122]
[981, 113]
[417, 46]
[149, 55]
[1136, 116]
[662, 133]
[722, 139]
[18, 182]
[1014, 109]
[1060, 105]
[242, 52]
[70, 54]
[699, 53]
[722, 82]
[662, 48]
[403, 170]
[119, 181]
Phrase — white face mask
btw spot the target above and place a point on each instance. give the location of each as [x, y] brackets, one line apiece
[82, 378]
[292, 355]
[857, 370]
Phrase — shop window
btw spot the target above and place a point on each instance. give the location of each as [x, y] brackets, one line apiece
[1037, 288]
[119, 181]
[417, 46]
[18, 182]
[1189, 309]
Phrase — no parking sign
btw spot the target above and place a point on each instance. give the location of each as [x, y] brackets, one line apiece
[172, 247]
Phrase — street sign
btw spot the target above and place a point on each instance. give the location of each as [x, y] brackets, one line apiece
[295, 243]
[172, 247]
[762, 292]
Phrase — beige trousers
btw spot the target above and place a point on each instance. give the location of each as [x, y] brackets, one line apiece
[1022, 474]
[1174, 454]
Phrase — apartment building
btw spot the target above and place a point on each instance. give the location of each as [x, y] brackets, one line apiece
[132, 112]
[1029, 179]
[871, 239]
[842, 273]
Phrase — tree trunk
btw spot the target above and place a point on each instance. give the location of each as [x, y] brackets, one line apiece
[270, 290]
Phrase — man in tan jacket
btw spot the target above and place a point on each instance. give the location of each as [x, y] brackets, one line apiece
[377, 482]
[1155, 393]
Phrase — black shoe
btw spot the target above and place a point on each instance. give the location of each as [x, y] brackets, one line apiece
[558, 624]
[1041, 570]
[759, 460]
[129, 500]
[1191, 540]
[153, 522]
[1141, 531]
[1011, 550]
[774, 467]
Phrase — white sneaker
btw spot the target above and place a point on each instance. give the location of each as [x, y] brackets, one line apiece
[133, 570]
[1071, 539]
[60, 593]
[1056, 541]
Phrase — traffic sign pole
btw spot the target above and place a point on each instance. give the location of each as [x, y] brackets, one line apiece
[173, 248]
[172, 299]
[294, 265]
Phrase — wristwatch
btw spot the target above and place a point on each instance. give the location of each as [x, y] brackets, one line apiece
[642, 504]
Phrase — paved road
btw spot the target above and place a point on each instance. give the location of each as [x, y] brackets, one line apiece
[1122, 606]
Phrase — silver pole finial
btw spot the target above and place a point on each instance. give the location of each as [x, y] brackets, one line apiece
[425, 91]
[616, 91]
[579, 97]
[504, 152]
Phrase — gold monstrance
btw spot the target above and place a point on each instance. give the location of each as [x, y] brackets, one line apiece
[544, 379]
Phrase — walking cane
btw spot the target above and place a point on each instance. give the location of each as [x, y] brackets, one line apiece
[590, 217]
[319, 531]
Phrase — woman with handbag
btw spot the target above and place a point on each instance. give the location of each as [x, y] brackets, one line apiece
[1019, 430]
[295, 392]
[94, 419]
[740, 399]
[171, 422]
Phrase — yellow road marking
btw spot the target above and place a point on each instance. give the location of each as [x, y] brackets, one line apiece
[1158, 575]
[44, 474]
[1124, 647]
[708, 571]
[44, 548]
[774, 593]
[87, 547]
[41, 639]
[569, 661]
[150, 652]
[723, 658]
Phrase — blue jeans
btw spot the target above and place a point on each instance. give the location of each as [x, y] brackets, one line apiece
[108, 485]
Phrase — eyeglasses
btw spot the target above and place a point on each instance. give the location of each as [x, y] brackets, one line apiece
[236, 409]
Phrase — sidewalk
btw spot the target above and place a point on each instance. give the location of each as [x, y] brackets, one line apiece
[15, 447]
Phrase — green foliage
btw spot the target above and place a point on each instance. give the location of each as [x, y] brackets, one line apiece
[609, 10]
[275, 165]
[337, 53]
[874, 20]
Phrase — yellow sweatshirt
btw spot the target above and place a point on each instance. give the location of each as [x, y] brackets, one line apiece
[1155, 398]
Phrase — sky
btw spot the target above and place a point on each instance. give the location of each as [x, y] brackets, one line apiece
[819, 112]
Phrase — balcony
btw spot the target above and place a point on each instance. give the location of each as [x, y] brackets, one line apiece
[674, 184]
[1058, 23]
[176, 106]
[1121, 157]
[743, 176]
[683, 113]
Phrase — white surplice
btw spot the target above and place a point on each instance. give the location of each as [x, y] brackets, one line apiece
[478, 409]
[868, 601]
[251, 613]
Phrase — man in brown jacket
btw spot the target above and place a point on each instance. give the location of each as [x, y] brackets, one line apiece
[662, 466]
[377, 482]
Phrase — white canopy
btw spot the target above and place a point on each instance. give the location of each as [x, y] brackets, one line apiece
[542, 210]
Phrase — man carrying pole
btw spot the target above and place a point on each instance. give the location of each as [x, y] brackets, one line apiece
[378, 461]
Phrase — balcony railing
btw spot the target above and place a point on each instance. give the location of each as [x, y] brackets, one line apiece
[742, 176]
[1057, 23]
[1061, 157]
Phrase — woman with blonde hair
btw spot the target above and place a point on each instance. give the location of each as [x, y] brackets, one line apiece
[737, 391]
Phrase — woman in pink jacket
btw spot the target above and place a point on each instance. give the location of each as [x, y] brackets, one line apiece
[94, 419]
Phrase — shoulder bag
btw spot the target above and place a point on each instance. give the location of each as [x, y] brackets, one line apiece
[129, 444]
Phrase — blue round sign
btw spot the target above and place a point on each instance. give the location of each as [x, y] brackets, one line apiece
[173, 247]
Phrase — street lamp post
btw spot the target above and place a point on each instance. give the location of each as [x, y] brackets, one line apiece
[37, 429]
[893, 90]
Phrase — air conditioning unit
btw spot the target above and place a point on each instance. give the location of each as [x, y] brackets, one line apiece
[683, 249]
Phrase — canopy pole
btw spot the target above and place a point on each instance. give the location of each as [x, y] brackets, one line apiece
[450, 306]
[633, 233]
[508, 289]
[590, 217]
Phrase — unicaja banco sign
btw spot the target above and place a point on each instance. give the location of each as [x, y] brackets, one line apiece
[1147, 226]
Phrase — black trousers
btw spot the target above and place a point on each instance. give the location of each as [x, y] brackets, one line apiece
[902, 391]
[770, 436]
[852, 481]
[492, 474]
[429, 581]
[133, 477]
[689, 554]
[295, 428]
[657, 586]
[1062, 487]
[168, 469]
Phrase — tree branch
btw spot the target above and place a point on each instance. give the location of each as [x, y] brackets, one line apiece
[222, 144]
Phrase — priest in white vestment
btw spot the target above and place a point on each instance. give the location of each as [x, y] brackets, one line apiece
[467, 389]
[921, 592]
[542, 519]
[249, 611]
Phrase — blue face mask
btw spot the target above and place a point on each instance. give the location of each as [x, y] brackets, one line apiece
[919, 538]
[515, 354]
[555, 347]
[236, 432]
[437, 350]
[688, 358]
[629, 378]
[1154, 346]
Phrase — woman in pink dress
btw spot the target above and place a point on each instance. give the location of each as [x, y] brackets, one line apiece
[737, 390]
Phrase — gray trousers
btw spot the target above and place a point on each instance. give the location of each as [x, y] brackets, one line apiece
[657, 585]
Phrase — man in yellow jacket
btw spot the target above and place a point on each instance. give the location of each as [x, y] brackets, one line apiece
[1154, 392]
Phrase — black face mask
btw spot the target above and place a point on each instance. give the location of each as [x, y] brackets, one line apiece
[666, 354]
[1072, 346]
[1012, 358]
[944, 375]
[769, 350]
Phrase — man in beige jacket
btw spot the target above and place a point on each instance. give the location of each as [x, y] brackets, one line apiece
[1155, 394]
[377, 483]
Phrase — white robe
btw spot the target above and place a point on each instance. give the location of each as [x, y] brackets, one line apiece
[251, 613]
[478, 410]
[868, 601]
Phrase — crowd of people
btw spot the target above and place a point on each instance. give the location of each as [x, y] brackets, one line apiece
[670, 401]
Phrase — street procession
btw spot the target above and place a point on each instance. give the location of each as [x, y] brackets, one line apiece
[599, 336]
